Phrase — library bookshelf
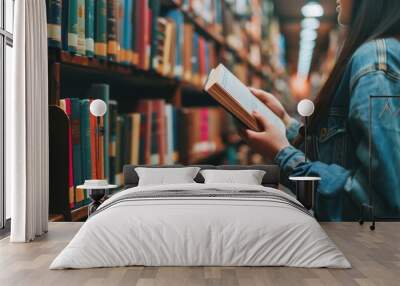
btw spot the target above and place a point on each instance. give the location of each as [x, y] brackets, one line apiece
[70, 75]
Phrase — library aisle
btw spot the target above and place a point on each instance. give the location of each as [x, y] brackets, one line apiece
[148, 60]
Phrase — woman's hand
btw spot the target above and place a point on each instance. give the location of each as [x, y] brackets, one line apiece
[272, 103]
[269, 141]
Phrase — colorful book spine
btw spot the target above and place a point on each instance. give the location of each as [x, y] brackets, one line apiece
[121, 28]
[206, 61]
[93, 147]
[120, 151]
[127, 139]
[128, 30]
[73, 26]
[112, 43]
[143, 139]
[54, 21]
[155, 12]
[66, 106]
[86, 156]
[148, 31]
[195, 59]
[143, 30]
[118, 123]
[187, 51]
[89, 27]
[85, 139]
[212, 56]
[169, 114]
[204, 136]
[159, 108]
[134, 35]
[202, 60]
[100, 34]
[172, 51]
[155, 155]
[218, 16]
[146, 109]
[102, 91]
[112, 153]
[76, 149]
[135, 138]
[81, 28]
[177, 16]
[64, 25]
[176, 133]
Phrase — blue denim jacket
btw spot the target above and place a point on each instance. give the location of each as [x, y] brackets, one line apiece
[341, 147]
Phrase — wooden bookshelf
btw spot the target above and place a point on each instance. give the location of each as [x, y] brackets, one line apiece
[133, 73]
[69, 69]
[208, 30]
[56, 217]
[80, 214]
[83, 64]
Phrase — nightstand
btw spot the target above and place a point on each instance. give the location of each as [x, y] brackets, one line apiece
[305, 190]
[98, 190]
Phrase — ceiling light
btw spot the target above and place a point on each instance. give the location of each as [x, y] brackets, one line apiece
[312, 9]
[310, 23]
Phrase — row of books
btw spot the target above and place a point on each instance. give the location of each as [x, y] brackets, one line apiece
[182, 52]
[140, 33]
[155, 132]
[117, 30]
[208, 10]
[149, 135]
[88, 154]
[201, 133]
[123, 31]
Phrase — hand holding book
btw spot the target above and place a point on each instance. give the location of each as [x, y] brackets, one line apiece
[269, 141]
[273, 104]
[263, 117]
[237, 99]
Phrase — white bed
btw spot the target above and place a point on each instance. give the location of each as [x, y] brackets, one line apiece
[239, 229]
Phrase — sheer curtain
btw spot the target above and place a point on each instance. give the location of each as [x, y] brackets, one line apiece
[27, 124]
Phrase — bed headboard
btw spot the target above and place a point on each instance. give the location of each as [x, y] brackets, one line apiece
[270, 179]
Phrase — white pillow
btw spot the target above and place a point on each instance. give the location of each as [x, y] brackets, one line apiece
[248, 177]
[166, 176]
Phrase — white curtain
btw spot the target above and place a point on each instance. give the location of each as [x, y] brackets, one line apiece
[27, 124]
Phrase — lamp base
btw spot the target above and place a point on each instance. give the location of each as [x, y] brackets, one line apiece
[96, 195]
[305, 190]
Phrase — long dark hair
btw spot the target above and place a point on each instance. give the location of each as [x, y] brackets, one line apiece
[372, 19]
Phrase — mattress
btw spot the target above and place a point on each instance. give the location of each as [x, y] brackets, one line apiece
[201, 225]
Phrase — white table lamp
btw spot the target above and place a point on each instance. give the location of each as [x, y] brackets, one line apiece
[305, 108]
[306, 186]
[98, 188]
[98, 108]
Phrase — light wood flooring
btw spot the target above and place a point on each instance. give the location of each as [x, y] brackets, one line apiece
[375, 257]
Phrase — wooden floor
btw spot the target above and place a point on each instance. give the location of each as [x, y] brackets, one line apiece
[375, 257]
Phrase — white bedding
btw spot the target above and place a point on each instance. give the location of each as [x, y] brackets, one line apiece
[203, 231]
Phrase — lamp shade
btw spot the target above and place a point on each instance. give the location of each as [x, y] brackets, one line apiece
[98, 107]
[305, 107]
[312, 9]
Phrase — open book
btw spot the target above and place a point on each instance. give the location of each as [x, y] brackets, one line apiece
[235, 97]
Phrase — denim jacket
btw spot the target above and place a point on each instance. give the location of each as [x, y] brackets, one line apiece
[341, 149]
